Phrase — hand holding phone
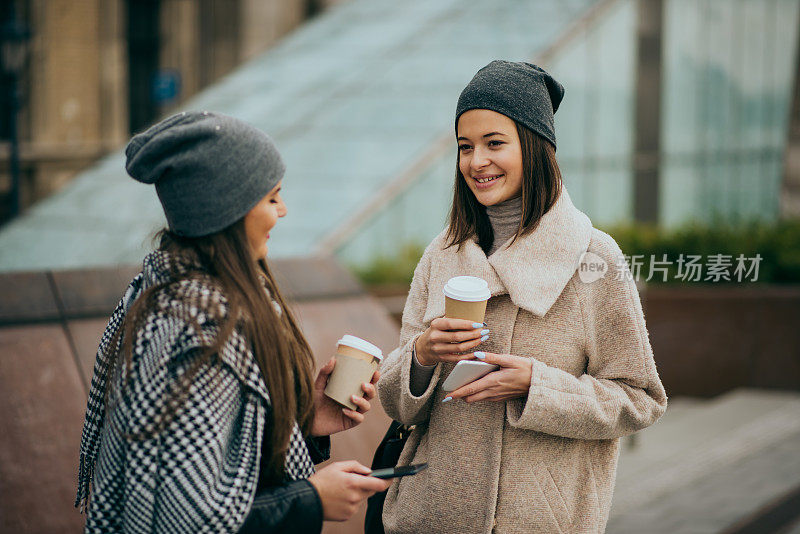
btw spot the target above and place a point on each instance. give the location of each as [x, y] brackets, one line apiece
[343, 486]
[397, 472]
[467, 371]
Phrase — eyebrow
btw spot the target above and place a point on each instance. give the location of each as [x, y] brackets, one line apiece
[485, 136]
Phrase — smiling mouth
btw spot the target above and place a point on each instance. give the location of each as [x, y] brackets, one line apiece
[487, 179]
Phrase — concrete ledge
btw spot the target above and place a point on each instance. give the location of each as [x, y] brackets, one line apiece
[26, 297]
[710, 340]
[319, 277]
[91, 292]
[64, 295]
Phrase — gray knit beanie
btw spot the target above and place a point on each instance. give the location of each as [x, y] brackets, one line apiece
[521, 91]
[209, 169]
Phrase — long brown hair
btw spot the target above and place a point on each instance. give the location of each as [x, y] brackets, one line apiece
[223, 262]
[541, 187]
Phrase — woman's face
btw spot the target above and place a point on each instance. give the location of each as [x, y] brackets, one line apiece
[261, 219]
[489, 155]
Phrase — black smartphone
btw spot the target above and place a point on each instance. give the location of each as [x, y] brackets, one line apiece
[397, 472]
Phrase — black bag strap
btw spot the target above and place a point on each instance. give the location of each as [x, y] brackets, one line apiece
[397, 434]
[386, 455]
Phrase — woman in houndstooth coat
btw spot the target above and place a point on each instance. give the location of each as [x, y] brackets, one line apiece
[203, 413]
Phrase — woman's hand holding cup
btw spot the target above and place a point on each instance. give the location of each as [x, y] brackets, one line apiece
[331, 417]
[449, 340]
[453, 337]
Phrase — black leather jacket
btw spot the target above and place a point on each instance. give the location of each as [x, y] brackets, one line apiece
[294, 507]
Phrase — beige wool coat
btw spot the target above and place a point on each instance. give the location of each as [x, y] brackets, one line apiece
[546, 462]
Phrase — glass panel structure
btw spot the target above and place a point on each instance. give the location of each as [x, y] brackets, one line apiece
[595, 121]
[725, 104]
[726, 85]
[594, 136]
[360, 102]
[354, 99]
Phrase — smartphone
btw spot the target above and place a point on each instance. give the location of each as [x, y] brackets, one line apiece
[397, 472]
[467, 371]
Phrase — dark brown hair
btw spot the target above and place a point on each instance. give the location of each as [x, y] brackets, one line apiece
[223, 262]
[541, 187]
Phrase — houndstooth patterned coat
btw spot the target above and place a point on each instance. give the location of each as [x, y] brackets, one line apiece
[199, 473]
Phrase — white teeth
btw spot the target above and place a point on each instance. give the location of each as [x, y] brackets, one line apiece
[484, 180]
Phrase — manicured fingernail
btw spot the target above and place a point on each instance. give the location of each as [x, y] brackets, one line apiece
[484, 332]
[478, 325]
[447, 399]
[480, 355]
[484, 338]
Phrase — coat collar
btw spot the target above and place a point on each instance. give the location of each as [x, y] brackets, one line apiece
[162, 267]
[536, 268]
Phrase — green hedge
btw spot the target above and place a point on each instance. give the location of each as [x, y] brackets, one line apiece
[778, 245]
[391, 270]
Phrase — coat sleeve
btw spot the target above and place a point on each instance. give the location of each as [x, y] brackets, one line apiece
[294, 507]
[394, 387]
[620, 391]
[182, 480]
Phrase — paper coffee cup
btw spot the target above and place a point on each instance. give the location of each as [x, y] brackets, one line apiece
[465, 297]
[356, 361]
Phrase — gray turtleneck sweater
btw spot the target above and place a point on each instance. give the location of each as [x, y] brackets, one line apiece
[504, 218]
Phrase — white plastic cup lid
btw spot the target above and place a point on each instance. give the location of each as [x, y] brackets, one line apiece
[360, 344]
[467, 289]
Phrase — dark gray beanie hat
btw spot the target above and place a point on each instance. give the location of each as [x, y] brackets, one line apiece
[209, 169]
[521, 91]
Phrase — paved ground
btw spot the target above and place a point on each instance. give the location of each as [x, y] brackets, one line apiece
[718, 500]
[731, 457]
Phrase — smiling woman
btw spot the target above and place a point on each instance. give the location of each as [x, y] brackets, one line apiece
[490, 155]
[500, 160]
[532, 446]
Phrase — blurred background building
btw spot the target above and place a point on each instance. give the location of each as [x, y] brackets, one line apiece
[94, 71]
[675, 111]
[679, 131]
